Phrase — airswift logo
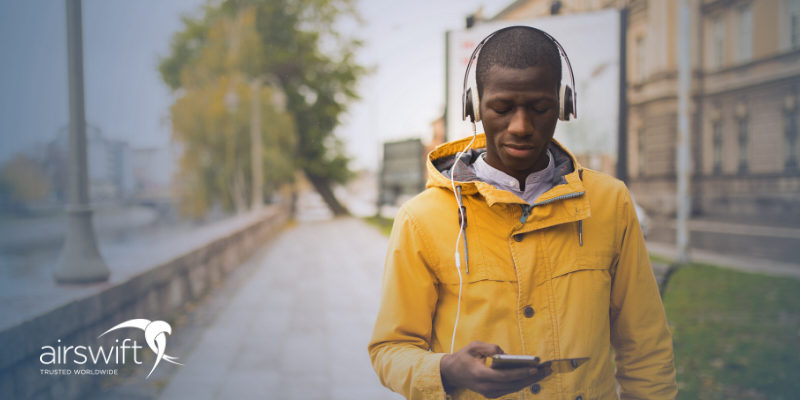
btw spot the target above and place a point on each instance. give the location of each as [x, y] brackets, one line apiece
[155, 335]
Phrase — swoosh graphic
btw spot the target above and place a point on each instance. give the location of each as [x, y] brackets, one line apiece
[155, 335]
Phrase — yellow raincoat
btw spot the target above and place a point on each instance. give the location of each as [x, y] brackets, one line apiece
[569, 280]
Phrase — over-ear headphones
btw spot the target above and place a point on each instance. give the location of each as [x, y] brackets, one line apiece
[567, 98]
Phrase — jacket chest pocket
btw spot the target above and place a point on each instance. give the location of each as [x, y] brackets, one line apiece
[486, 263]
[568, 256]
[582, 294]
[581, 277]
[562, 267]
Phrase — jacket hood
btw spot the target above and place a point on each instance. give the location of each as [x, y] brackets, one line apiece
[567, 177]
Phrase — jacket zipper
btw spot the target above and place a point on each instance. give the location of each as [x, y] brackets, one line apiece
[526, 210]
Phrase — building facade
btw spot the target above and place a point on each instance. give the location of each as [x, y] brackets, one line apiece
[110, 165]
[744, 113]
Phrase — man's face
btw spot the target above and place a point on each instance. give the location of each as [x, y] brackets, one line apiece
[519, 109]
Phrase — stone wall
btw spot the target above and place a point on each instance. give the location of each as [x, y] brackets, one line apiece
[157, 294]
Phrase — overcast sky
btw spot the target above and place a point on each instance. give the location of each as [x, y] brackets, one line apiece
[126, 99]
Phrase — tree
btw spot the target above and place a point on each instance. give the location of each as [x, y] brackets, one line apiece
[294, 41]
[215, 164]
[23, 180]
[211, 120]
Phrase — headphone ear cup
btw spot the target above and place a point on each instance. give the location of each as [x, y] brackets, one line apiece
[473, 104]
[476, 104]
[468, 112]
[565, 105]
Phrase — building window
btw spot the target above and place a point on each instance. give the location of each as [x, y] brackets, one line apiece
[642, 156]
[790, 128]
[718, 42]
[717, 140]
[745, 43]
[641, 71]
[793, 23]
[744, 127]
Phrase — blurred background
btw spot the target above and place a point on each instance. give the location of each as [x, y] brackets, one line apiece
[234, 168]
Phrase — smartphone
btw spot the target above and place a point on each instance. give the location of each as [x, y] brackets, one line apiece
[504, 361]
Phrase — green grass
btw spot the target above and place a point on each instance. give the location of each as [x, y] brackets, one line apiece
[383, 223]
[736, 335]
[659, 259]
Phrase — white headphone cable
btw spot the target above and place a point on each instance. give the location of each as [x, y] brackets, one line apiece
[460, 230]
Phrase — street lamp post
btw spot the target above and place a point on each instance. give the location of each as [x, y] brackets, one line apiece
[79, 262]
[683, 161]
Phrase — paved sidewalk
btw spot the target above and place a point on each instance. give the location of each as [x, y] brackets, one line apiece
[739, 229]
[299, 327]
[741, 263]
[740, 238]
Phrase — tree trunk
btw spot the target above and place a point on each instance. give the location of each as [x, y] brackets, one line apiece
[323, 187]
[237, 193]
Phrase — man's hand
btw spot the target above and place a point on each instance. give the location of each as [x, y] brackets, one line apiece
[467, 368]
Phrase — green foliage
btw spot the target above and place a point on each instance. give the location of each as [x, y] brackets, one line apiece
[216, 164]
[736, 335]
[295, 42]
[23, 180]
[383, 223]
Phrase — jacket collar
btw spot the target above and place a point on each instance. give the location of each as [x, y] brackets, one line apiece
[568, 176]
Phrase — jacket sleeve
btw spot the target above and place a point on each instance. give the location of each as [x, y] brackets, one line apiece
[640, 335]
[400, 343]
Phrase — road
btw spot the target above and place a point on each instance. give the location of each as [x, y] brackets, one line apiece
[298, 326]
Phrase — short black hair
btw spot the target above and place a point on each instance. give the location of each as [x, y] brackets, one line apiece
[517, 48]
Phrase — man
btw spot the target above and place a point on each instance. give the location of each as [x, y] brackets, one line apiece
[557, 265]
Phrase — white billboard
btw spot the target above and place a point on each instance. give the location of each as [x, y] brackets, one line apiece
[591, 41]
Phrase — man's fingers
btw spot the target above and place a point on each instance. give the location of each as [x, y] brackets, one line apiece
[496, 382]
[519, 384]
[496, 389]
[541, 374]
[505, 375]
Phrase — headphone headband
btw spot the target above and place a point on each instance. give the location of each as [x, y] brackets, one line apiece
[480, 46]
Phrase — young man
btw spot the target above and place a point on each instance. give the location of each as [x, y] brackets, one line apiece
[557, 266]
